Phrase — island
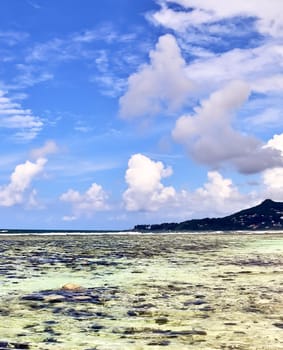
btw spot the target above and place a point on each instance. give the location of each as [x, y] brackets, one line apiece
[266, 216]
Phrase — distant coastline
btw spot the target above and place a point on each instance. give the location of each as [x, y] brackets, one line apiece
[265, 217]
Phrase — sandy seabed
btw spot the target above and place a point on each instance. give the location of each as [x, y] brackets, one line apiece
[142, 292]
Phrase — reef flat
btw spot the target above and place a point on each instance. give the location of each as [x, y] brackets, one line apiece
[141, 292]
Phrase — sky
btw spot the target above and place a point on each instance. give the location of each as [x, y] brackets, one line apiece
[122, 112]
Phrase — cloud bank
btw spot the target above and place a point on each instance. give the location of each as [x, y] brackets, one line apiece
[147, 193]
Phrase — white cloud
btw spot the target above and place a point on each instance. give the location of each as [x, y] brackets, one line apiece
[159, 86]
[268, 14]
[218, 195]
[276, 143]
[61, 50]
[87, 203]
[20, 181]
[13, 116]
[260, 66]
[145, 191]
[272, 83]
[12, 38]
[48, 148]
[217, 185]
[69, 218]
[273, 178]
[104, 32]
[211, 139]
[179, 20]
[30, 75]
[110, 84]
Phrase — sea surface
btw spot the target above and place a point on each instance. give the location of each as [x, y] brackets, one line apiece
[136, 291]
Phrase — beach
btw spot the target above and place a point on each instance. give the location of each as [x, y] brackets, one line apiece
[134, 291]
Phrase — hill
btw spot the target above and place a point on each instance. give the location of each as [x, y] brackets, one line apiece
[266, 216]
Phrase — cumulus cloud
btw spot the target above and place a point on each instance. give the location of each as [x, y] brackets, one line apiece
[219, 196]
[159, 86]
[145, 191]
[92, 200]
[268, 14]
[20, 181]
[14, 117]
[217, 185]
[211, 139]
[276, 143]
[273, 178]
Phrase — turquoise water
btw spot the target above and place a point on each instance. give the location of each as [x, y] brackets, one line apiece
[142, 292]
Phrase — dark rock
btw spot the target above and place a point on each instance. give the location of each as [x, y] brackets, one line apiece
[171, 334]
[50, 322]
[97, 327]
[206, 308]
[230, 323]
[195, 302]
[132, 313]
[190, 332]
[161, 320]
[33, 297]
[278, 324]
[159, 343]
[129, 330]
[51, 340]
[12, 345]
[21, 345]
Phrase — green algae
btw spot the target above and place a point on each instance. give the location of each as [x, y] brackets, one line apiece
[154, 291]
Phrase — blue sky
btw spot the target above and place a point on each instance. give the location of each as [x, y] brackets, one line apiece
[123, 112]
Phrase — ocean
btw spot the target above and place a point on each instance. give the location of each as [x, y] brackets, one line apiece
[125, 290]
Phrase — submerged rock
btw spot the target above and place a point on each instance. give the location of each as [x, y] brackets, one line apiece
[161, 320]
[159, 343]
[278, 325]
[54, 298]
[13, 345]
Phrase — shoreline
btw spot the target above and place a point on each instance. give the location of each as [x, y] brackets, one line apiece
[10, 233]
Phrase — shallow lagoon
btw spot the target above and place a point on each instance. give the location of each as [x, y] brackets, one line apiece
[142, 292]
